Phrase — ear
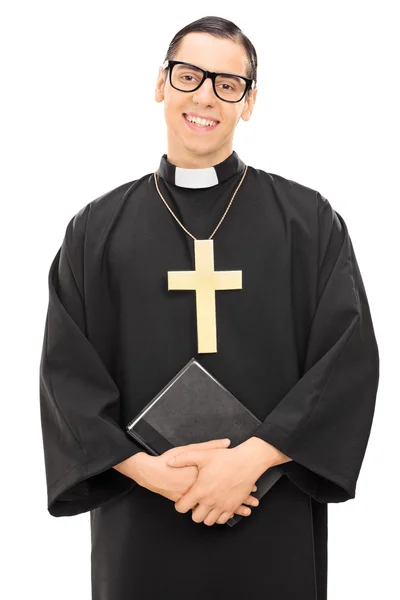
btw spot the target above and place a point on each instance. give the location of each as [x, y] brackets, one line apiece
[160, 83]
[249, 104]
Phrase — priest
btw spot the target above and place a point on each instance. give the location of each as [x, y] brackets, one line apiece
[255, 276]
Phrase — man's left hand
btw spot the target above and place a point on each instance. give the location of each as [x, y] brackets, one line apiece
[225, 480]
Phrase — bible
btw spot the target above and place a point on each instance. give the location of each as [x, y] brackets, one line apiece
[195, 407]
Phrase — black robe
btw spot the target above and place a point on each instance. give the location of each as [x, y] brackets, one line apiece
[296, 345]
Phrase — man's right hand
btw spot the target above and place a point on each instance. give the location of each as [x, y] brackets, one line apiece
[154, 474]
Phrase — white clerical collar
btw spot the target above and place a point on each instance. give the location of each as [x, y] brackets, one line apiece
[196, 178]
[203, 177]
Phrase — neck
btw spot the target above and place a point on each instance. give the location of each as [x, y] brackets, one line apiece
[186, 159]
[200, 177]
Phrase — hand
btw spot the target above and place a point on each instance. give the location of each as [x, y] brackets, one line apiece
[158, 477]
[225, 479]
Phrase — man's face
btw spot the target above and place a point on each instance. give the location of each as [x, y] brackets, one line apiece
[189, 147]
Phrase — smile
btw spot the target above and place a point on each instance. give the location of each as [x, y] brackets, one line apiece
[197, 124]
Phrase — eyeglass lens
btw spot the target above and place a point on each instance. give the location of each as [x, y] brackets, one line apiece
[187, 78]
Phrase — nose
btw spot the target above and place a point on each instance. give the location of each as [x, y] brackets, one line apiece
[205, 93]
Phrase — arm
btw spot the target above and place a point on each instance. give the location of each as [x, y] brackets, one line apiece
[263, 454]
[79, 400]
[323, 423]
[132, 467]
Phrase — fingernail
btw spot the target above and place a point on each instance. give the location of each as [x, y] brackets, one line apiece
[226, 441]
[171, 460]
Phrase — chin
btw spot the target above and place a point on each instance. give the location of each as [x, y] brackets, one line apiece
[202, 149]
[196, 147]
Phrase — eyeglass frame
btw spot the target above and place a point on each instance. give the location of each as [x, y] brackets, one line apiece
[169, 64]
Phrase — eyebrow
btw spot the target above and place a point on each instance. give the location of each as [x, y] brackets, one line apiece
[222, 72]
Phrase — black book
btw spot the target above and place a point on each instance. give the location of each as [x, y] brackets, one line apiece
[195, 407]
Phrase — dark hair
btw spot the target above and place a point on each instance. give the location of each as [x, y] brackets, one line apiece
[221, 28]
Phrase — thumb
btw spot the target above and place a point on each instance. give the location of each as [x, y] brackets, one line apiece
[185, 459]
[218, 443]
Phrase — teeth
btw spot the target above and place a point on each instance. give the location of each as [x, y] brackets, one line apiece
[202, 122]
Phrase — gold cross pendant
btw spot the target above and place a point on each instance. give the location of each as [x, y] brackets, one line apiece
[205, 281]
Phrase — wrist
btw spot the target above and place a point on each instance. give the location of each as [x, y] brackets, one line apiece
[133, 466]
[263, 455]
[138, 465]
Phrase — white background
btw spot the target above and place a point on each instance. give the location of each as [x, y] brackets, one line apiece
[78, 118]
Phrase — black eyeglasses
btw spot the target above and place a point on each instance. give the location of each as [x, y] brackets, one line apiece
[186, 77]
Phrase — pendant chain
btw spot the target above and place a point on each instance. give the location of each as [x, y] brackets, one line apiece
[223, 216]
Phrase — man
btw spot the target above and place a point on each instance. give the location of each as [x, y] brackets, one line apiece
[295, 344]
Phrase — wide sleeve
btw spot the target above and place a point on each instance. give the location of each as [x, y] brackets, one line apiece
[323, 422]
[79, 400]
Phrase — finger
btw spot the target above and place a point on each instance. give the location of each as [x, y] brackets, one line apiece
[184, 459]
[244, 511]
[254, 488]
[222, 443]
[210, 445]
[251, 501]
[225, 516]
[200, 512]
[212, 517]
[187, 502]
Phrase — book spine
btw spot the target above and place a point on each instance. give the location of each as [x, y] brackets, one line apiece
[141, 441]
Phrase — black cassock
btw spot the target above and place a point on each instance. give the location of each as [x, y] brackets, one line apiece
[296, 345]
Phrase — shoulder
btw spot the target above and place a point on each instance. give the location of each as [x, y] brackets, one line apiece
[100, 211]
[300, 204]
[288, 191]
